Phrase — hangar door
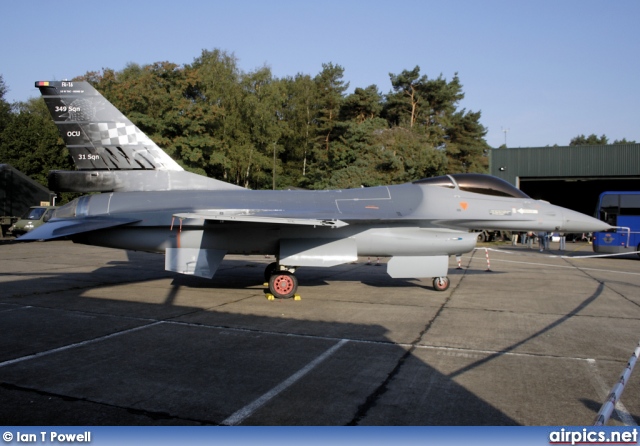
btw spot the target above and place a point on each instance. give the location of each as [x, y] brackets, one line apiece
[575, 193]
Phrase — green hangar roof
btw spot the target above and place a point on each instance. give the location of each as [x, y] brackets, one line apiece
[570, 176]
[621, 160]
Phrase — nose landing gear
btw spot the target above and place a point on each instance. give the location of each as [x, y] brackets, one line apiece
[441, 283]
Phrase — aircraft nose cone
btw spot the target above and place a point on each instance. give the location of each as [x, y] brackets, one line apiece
[576, 222]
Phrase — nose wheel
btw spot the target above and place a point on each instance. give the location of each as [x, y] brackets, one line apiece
[441, 283]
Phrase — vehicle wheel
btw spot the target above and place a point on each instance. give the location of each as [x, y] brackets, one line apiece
[638, 249]
[283, 285]
[441, 283]
[269, 270]
[481, 237]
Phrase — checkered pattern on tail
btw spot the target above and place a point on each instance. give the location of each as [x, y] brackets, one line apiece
[117, 134]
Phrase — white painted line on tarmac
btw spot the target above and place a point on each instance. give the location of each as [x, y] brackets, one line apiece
[77, 344]
[596, 379]
[240, 415]
[596, 256]
[550, 265]
[476, 353]
[12, 308]
[603, 392]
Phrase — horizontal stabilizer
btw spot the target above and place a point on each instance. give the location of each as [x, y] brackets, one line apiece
[63, 228]
[223, 215]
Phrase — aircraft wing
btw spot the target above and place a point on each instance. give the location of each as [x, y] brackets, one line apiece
[234, 215]
[58, 228]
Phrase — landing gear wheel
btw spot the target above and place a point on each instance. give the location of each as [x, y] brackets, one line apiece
[441, 283]
[283, 285]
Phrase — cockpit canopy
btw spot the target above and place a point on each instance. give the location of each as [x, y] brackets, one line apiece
[476, 183]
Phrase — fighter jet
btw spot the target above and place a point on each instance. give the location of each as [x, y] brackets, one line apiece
[149, 203]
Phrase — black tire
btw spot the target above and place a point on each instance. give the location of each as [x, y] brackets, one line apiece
[481, 237]
[441, 283]
[269, 270]
[283, 285]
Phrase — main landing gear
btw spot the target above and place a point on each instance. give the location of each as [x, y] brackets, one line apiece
[283, 284]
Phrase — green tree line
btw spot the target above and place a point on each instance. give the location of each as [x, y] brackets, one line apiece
[594, 140]
[262, 132]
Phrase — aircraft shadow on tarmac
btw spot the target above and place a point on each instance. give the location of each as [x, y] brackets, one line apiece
[172, 373]
[40, 313]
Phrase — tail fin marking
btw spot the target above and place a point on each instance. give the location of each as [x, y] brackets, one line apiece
[97, 134]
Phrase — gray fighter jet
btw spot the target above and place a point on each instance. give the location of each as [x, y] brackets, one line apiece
[149, 203]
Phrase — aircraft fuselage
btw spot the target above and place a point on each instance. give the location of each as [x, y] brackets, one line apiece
[402, 220]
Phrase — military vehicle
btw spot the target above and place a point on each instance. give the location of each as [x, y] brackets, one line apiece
[18, 193]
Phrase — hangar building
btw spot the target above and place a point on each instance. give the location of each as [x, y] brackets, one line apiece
[571, 176]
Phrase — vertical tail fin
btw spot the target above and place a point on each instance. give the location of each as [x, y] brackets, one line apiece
[97, 134]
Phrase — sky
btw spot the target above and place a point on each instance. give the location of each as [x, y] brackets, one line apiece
[540, 72]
